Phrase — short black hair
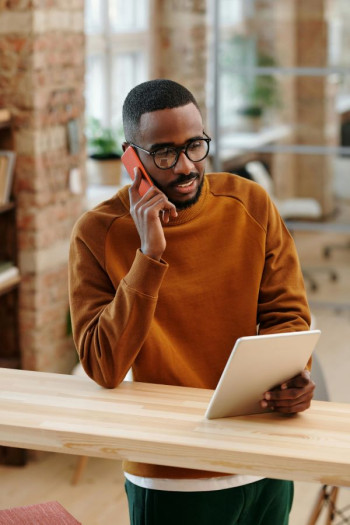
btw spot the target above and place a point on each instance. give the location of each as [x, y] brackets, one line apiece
[149, 96]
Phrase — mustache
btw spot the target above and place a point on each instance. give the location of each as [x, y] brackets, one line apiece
[182, 179]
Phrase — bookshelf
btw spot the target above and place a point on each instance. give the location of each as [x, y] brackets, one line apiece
[10, 355]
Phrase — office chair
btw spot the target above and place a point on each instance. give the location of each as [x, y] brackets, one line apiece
[290, 208]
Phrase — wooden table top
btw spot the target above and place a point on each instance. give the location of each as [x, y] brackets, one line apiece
[165, 425]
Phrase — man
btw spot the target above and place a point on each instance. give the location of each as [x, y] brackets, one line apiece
[167, 282]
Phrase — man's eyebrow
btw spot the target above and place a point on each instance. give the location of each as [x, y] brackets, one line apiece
[159, 145]
[172, 144]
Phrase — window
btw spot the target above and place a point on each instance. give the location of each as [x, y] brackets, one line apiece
[282, 89]
[116, 55]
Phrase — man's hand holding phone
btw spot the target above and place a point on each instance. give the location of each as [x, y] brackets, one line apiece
[148, 212]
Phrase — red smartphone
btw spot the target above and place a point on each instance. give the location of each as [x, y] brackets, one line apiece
[131, 160]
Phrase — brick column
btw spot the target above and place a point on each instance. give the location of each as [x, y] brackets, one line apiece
[42, 82]
[295, 33]
[273, 26]
[315, 105]
[179, 46]
[284, 164]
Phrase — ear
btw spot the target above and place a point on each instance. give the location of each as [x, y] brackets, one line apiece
[125, 145]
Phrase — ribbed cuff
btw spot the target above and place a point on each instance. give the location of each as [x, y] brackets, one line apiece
[146, 274]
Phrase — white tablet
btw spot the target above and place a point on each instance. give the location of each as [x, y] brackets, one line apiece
[257, 364]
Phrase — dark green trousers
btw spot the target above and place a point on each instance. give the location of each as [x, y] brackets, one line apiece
[265, 502]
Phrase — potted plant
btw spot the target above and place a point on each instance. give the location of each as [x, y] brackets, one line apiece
[258, 95]
[262, 95]
[104, 153]
[251, 117]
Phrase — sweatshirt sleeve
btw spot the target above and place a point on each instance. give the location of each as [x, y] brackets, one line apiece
[109, 325]
[282, 304]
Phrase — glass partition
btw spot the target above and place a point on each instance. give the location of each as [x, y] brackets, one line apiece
[279, 106]
[281, 82]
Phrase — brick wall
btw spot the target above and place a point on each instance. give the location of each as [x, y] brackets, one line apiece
[179, 44]
[315, 100]
[42, 82]
[274, 27]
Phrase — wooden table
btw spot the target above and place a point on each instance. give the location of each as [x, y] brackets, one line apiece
[166, 425]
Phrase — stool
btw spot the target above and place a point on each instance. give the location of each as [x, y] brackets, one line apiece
[49, 513]
[327, 498]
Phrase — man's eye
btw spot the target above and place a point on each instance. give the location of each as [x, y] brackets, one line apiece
[194, 145]
[165, 152]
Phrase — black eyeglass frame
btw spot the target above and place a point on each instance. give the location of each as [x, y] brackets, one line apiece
[178, 150]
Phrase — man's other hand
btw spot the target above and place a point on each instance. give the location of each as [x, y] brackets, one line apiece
[292, 396]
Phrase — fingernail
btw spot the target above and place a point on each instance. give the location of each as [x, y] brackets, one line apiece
[267, 395]
[284, 386]
[263, 404]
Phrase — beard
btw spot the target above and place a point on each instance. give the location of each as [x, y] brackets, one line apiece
[187, 204]
[183, 205]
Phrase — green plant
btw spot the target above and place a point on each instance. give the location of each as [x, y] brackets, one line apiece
[263, 90]
[251, 111]
[103, 142]
[256, 92]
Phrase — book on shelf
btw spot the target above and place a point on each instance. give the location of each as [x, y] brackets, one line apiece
[7, 166]
[9, 273]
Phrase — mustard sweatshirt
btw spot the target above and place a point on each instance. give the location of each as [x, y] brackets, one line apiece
[229, 266]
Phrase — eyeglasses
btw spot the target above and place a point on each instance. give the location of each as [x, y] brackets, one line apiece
[166, 157]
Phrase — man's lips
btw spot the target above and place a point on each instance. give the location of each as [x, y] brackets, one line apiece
[186, 187]
[186, 184]
[184, 181]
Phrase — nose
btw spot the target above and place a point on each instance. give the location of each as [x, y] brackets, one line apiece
[184, 164]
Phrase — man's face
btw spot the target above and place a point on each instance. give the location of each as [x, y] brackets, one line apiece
[173, 127]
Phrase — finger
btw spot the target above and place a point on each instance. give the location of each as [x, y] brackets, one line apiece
[283, 402]
[152, 206]
[288, 408]
[293, 409]
[289, 393]
[165, 216]
[168, 206]
[150, 194]
[297, 381]
[141, 204]
[134, 187]
[173, 211]
[155, 200]
[169, 212]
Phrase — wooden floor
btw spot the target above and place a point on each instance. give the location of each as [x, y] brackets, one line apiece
[99, 498]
